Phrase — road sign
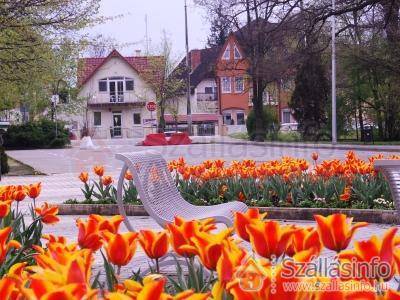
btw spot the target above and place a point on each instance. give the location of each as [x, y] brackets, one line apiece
[151, 106]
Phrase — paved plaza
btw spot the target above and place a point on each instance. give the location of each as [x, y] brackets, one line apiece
[62, 166]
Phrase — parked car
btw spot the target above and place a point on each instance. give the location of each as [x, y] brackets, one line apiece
[4, 125]
[289, 126]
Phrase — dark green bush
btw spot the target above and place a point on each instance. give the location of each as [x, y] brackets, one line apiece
[271, 123]
[4, 161]
[37, 134]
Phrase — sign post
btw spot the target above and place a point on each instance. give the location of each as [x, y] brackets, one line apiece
[151, 107]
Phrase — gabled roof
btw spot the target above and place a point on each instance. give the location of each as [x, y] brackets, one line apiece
[204, 70]
[141, 64]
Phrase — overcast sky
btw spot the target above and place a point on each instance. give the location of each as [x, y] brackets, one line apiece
[161, 14]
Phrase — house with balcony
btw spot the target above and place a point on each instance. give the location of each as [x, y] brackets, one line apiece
[116, 94]
[221, 91]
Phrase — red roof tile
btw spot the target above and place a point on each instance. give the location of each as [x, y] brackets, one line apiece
[89, 66]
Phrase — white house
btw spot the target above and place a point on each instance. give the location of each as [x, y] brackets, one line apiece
[116, 94]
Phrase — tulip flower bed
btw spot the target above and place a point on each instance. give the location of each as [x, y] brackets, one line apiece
[264, 260]
[289, 182]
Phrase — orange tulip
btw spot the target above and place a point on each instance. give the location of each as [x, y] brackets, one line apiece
[374, 250]
[107, 180]
[346, 194]
[232, 257]
[6, 245]
[112, 224]
[19, 193]
[314, 156]
[182, 232]
[84, 177]
[33, 190]
[128, 175]
[89, 234]
[242, 196]
[335, 231]
[268, 238]
[8, 288]
[208, 247]
[120, 248]
[154, 244]
[303, 239]
[48, 214]
[98, 170]
[5, 207]
[241, 220]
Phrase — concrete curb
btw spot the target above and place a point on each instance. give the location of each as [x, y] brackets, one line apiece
[281, 213]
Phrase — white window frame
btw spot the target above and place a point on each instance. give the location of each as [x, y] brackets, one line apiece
[244, 117]
[236, 50]
[227, 53]
[236, 86]
[229, 80]
[285, 111]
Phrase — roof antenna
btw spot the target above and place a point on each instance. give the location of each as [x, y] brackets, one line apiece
[147, 35]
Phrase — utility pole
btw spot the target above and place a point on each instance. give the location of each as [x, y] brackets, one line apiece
[188, 70]
[334, 125]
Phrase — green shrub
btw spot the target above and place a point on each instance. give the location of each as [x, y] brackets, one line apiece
[271, 123]
[4, 161]
[37, 134]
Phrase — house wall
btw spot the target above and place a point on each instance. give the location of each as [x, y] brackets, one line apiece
[233, 68]
[142, 94]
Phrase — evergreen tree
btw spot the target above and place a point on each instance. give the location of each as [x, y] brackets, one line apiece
[220, 28]
[310, 97]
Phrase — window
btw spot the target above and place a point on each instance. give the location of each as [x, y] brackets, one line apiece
[228, 119]
[226, 84]
[103, 85]
[239, 84]
[137, 119]
[129, 85]
[236, 53]
[97, 118]
[286, 116]
[227, 53]
[240, 118]
[209, 90]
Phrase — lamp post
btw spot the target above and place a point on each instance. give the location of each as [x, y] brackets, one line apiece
[334, 124]
[188, 105]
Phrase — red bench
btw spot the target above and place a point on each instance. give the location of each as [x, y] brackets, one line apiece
[155, 139]
[180, 138]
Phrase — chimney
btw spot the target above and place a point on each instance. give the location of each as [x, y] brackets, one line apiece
[138, 52]
[195, 58]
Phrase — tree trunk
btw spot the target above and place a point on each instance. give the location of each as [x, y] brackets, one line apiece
[360, 119]
[161, 122]
[258, 107]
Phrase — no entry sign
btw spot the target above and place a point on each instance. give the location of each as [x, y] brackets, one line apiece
[151, 106]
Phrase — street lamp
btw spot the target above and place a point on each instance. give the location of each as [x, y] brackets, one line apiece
[334, 125]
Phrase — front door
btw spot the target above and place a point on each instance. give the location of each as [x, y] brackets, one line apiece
[117, 122]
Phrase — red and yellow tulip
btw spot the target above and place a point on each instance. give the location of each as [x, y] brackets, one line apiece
[47, 213]
[120, 248]
[336, 231]
[154, 244]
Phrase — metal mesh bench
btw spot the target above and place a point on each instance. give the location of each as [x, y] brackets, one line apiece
[390, 168]
[160, 196]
